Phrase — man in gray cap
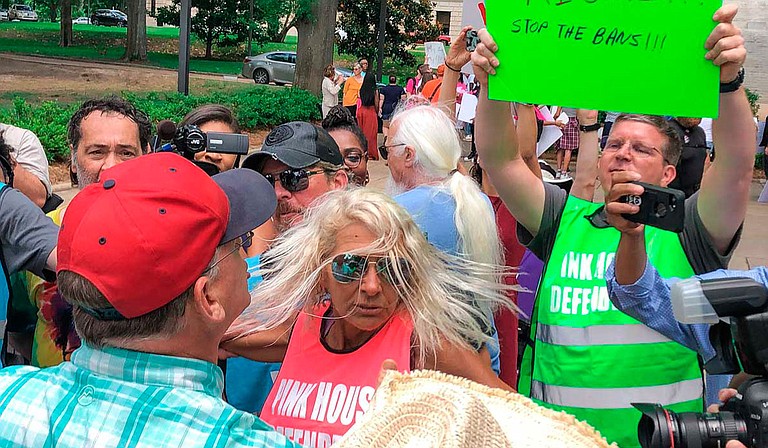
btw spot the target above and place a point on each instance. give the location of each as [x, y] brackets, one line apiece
[303, 162]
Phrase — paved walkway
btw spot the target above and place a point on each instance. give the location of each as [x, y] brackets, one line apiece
[751, 252]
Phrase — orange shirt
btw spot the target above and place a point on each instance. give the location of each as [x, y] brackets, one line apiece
[431, 90]
[351, 92]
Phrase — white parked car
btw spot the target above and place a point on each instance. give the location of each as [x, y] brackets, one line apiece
[22, 12]
[3, 15]
[81, 21]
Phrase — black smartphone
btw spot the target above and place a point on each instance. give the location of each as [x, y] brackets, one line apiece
[660, 207]
[472, 40]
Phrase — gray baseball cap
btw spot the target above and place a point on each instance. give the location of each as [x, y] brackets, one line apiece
[297, 144]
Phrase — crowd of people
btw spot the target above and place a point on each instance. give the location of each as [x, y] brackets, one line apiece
[259, 306]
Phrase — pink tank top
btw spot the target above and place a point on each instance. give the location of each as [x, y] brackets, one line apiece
[319, 394]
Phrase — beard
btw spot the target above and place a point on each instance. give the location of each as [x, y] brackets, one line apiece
[393, 188]
[284, 208]
[84, 178]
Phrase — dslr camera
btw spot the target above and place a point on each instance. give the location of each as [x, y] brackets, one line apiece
[738, 310]
[189, 140]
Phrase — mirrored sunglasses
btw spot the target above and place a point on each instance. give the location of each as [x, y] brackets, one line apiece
[348, 268]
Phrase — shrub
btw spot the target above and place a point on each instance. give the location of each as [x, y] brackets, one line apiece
[254, 108]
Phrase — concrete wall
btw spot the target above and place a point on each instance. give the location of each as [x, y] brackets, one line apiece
[753, 20]
[454, 7]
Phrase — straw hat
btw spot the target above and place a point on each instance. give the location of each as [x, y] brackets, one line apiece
[430, 409]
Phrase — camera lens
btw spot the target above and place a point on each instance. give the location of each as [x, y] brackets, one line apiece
[660, 428]
[661, 210]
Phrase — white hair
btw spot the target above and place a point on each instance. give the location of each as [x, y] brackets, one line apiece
[432, 134]
[447, 298]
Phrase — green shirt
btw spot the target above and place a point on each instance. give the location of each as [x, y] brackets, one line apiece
[120, 398]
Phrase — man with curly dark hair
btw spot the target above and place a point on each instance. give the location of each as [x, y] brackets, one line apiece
[104, 132]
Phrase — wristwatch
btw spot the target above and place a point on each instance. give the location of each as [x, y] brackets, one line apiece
[590, 127]
[727, 87]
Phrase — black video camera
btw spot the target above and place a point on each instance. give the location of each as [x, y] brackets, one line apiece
[189, 140]
[738, 308]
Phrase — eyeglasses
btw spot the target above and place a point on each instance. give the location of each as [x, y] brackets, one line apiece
[294, 180]
[353, 159]
[241, 242]
[639, 150]
[384, 149]
[348, 268]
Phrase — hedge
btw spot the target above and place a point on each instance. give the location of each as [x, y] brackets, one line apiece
[254, 108]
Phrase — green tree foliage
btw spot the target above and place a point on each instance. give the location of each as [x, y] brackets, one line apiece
[219, 22]
[753, 98]
[408, 22]
[254, 108]
[280, 15]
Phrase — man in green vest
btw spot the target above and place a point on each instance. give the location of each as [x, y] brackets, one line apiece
[588, 358]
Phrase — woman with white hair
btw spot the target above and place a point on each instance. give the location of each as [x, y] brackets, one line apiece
[355, 284]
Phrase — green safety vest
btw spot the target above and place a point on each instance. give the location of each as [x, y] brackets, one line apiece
[591, 360]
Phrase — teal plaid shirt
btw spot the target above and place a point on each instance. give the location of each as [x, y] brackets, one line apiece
[121, 398]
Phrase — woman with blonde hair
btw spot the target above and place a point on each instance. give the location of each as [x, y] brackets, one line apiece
[352, 89]
[331, 85]
[355, 284]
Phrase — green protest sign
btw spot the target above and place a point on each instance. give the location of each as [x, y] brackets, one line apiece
[638, 56]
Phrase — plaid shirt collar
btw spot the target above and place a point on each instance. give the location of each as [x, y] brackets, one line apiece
[151, 369]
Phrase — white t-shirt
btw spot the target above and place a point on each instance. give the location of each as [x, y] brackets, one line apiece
[28, 152]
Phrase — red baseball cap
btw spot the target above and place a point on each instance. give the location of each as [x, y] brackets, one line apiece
[148, 229]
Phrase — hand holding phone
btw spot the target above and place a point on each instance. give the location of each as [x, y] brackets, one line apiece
[472, 40]
[660, 207]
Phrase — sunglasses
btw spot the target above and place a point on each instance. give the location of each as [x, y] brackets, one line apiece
[348, 268]
[241, 242]
[294, 180]
[384, 149]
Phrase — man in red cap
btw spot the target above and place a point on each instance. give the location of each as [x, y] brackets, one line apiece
[149, 258]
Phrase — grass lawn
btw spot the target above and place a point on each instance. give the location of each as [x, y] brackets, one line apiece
[103, 43]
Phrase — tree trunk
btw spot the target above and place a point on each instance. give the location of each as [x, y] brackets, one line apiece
[65, 33]
[284, 32]
[209, 44]
[53, 13]
[136, 42]
[315, 45]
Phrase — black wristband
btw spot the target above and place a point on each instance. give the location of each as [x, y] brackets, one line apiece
[728, 87]
[590, 127]
[451, 68]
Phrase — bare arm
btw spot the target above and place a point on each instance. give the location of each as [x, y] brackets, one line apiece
[30, 185]
[526, 136]
[466, 363]
[457, 57]
[497, 146]
[586, 162]
[264, 346]
[725, 187]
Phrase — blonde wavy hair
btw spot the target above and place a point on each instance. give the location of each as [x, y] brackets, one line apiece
[432, 134]
[448, 298]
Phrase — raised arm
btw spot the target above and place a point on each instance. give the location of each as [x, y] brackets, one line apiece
[497, 145]
[526, 136]
[586, 163]
[457, 57]
[725, 187]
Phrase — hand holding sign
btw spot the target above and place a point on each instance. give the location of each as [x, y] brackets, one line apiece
[652, 51]
[726, 44]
